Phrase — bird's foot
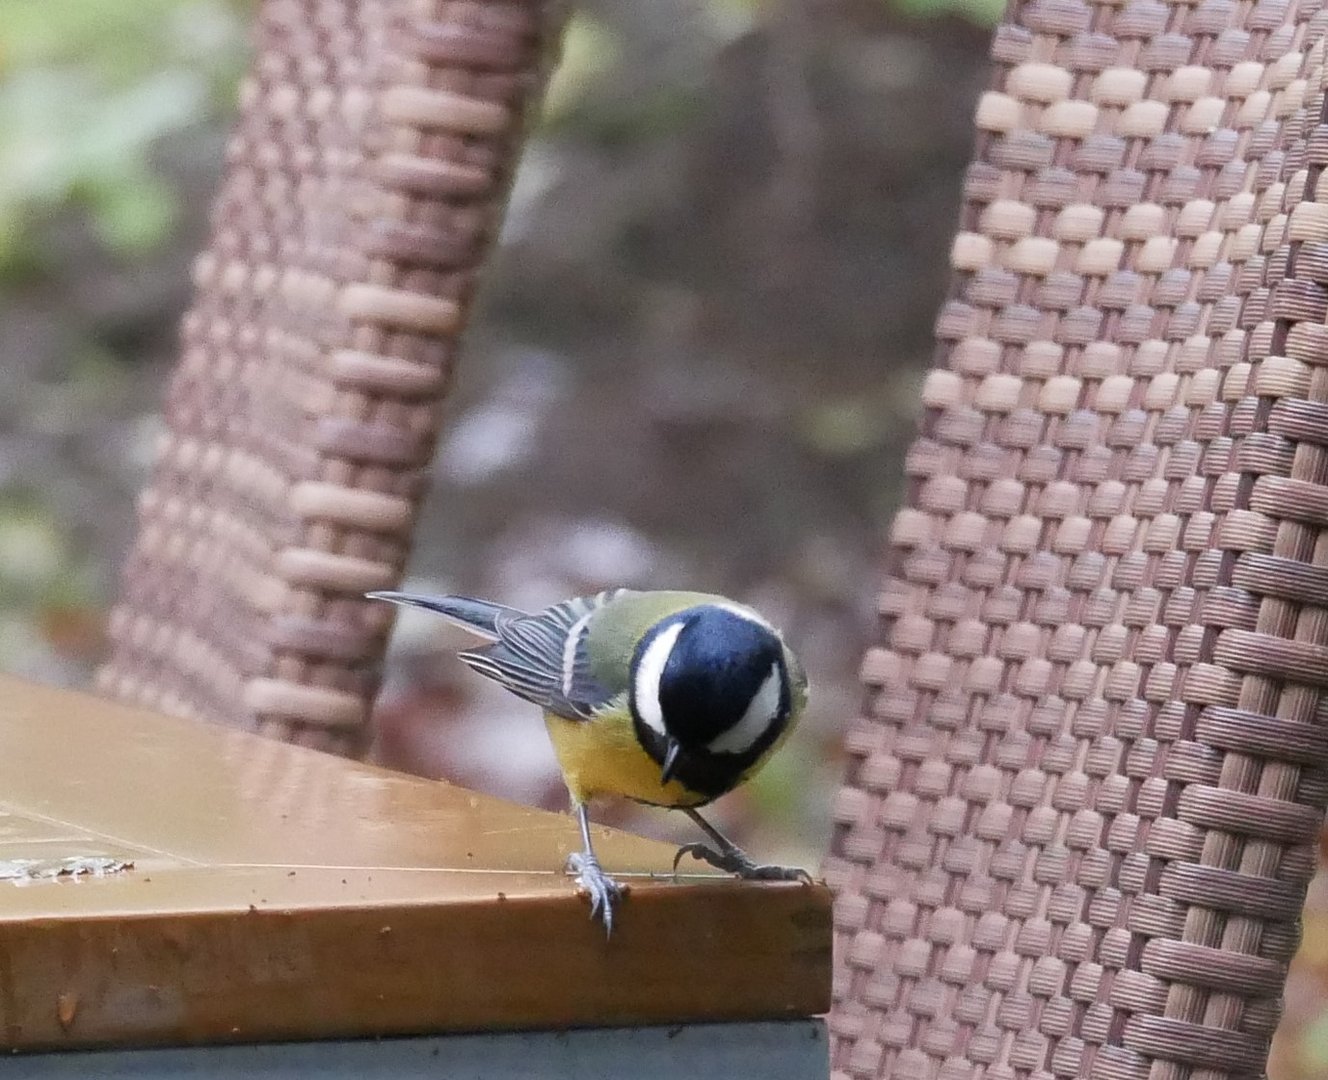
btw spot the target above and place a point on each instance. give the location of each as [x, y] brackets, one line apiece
[734, 860]
[603, 891]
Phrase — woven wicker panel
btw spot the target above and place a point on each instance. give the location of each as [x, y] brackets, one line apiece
[364, 180]
[1083, 800]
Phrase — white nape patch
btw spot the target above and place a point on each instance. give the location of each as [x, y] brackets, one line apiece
[756, 721]
[574, 633]
[649, 672]
[744, 613]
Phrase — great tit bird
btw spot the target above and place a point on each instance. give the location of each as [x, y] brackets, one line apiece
[667, 698]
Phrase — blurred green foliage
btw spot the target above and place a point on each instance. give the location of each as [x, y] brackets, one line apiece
[88, 91]
[87, 88]
[982, 12]
[37, 555]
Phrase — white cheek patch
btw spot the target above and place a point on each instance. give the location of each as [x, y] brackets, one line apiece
[649, 672]
[756, 721]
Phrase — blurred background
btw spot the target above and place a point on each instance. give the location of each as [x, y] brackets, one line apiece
[695, 362]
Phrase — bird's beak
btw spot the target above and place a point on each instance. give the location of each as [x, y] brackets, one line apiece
[670, 761]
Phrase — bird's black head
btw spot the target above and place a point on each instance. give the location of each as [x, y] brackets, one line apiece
[710, 694]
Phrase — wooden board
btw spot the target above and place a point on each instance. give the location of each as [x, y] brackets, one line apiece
[279, 893]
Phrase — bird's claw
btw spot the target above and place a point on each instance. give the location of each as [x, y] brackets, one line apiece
[735, 861]
[603, 891]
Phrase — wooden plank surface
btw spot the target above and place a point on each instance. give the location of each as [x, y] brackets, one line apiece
[278, 893]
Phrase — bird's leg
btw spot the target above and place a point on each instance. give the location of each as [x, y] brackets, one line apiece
[726, 855]
[603, 891]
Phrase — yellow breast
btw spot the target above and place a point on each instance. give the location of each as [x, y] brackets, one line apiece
[602, 757]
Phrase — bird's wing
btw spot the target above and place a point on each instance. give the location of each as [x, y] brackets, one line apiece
[542, 657]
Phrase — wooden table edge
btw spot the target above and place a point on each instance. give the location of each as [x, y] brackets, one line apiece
[680, 954]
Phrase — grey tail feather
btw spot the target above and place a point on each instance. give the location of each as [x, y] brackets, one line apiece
[480, 616]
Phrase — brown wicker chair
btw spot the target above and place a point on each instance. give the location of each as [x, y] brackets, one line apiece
[365, 178]
[1084, 795]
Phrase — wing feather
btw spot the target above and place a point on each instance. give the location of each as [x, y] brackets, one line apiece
[542, 657]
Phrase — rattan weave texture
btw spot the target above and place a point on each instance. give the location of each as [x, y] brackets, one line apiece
[365, 178]
[1084, 797]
